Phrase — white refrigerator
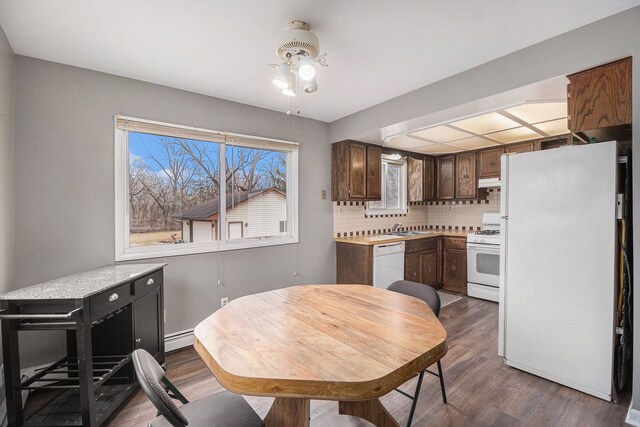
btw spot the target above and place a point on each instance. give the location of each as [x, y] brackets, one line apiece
[558, 265]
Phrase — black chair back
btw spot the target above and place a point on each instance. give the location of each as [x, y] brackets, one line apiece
[424, 292]
[150, 375]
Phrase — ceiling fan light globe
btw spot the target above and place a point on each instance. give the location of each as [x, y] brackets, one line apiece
[307, 72]
[281, 79]
[310, 86]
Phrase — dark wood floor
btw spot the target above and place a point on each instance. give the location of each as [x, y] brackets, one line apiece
[482, 391]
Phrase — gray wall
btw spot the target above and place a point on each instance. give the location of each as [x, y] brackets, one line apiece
[6, 164]
[603, 41]
[64, 176]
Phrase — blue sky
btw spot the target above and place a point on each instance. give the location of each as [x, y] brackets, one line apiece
[142, 146]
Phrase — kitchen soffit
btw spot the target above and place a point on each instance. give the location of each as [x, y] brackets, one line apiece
[525, 121]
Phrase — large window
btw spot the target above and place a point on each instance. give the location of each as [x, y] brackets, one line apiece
[182, 190]
[394, 189]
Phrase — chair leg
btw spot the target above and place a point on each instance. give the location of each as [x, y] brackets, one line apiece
[444, 393]
[415, 399]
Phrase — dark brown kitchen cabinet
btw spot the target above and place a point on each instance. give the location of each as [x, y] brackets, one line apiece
[421, 261]
[490, 163]
[374, 164]
[354, 263]
[415, 179]
[413, 267]
[454, 264]
[445, 171]
[357, 177]
[355, 171]
[466, 181]
[600, 97]
[429, 171]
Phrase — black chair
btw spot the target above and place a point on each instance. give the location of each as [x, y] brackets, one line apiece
[220, 409]
[430, 296]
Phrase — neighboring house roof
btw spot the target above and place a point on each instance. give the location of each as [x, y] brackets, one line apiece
[210, 208]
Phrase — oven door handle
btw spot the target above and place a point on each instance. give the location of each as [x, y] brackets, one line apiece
[483, 246]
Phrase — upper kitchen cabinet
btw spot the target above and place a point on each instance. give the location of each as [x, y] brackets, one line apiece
[429, 172]
[490, 163]
[355, 171]
[466, 182]
[520, 148]
[599, 101]
[445, 171]
[415, 179]
[374, 166]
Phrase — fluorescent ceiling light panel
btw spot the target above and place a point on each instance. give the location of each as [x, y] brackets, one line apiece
[554, 127]
[473, 143]
[437, 149]
[440, 134]
[535, 112]
[491, 122]
[514, 135]
[405, 142]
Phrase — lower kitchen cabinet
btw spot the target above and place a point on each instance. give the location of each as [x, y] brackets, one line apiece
[354, 263]
[435, 261]
[421, 261]
[454, 270]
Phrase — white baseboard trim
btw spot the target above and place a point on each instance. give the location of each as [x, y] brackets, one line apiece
[633, 417]
[178, 340]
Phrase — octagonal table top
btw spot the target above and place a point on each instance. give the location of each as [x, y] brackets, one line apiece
[335, 342]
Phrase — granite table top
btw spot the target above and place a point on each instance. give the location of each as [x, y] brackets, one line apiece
[84, 284]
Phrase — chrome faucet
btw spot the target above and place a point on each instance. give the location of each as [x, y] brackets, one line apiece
[395, 227]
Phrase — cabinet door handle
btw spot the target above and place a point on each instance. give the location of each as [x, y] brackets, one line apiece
[150, 282]
[138, 340]
[453, 268]
[114, 296]
[358, 172]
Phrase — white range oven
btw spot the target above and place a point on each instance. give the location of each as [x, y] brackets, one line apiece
[483, 259]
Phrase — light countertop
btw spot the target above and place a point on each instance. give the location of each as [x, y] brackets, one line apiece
[378, 239]
[84, 284]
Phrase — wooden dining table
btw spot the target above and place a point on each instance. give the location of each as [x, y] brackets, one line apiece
[347, 343]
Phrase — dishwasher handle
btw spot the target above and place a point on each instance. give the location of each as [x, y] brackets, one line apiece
[388, 249]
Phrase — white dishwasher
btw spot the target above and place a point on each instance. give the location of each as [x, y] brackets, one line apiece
[388, 264]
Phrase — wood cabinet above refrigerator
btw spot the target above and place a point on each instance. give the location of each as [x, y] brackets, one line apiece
[599, 101]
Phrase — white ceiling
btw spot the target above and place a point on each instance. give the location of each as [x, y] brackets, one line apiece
[377, 50]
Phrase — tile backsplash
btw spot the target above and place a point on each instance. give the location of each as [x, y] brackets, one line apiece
[351, 219]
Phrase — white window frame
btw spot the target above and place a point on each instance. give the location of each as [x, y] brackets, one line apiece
[122, 220]
[403, 190]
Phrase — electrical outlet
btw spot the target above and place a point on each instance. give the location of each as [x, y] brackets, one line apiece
[323, 194]
[224, 301]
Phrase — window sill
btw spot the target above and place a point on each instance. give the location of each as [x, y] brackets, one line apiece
[163, 251]
[370, 212]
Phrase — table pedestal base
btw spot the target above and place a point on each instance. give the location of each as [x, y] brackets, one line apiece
[371, 410]
[287, 412]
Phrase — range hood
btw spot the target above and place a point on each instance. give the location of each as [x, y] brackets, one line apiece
[489, 183]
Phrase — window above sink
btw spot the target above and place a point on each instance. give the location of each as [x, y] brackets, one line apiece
[394, 188]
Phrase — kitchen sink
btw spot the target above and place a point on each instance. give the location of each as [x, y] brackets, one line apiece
[408, 233]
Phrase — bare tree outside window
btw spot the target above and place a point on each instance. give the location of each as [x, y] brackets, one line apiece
[174, 188]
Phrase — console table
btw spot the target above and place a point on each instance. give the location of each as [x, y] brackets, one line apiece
[107, 313]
